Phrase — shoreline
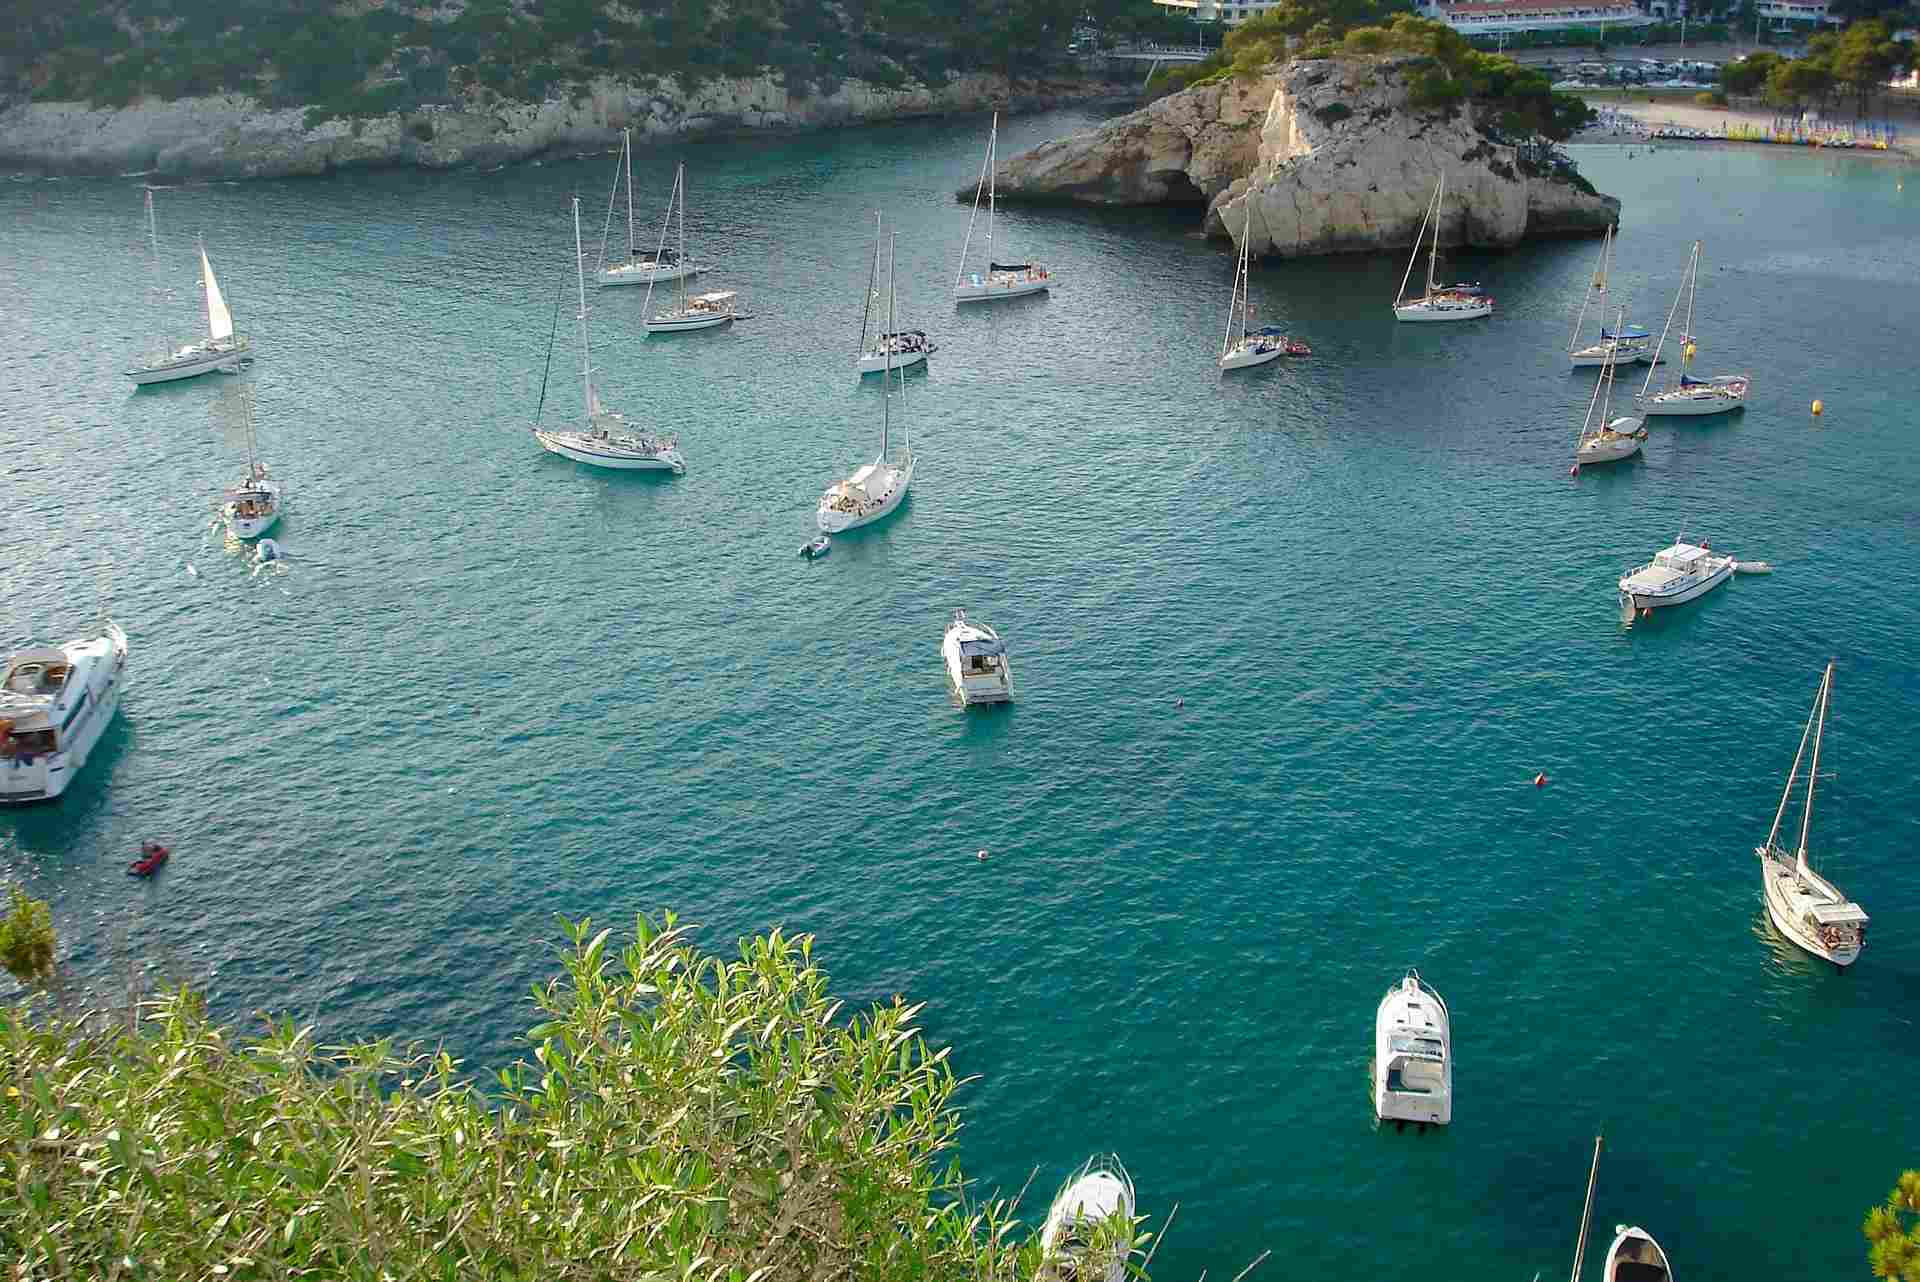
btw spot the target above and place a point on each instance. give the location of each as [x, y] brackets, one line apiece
[1631, 123]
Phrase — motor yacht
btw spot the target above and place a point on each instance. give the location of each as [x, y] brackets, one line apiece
[1675, 576]
[55, 703]
[977, 664]
[1635, 1257]
[1412, 1055]
[1088, 1235]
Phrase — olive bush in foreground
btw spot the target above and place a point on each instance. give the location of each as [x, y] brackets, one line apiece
[681, 1118]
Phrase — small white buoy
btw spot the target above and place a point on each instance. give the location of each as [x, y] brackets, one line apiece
[982, 856]
[1180, 702]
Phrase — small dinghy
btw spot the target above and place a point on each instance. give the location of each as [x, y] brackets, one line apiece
[152, 855]
[1752, 567]
[266, 550]
[1635, 1257]
[818, 548]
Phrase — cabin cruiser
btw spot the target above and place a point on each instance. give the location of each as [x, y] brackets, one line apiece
[55, 703]
[1088, 1235]
[702, 311]
[1675, 576]
[1695, 396]
[1412, 1055]
[251, 507]
[1635, 1257]
[911, 347]
[1622, 348]
[977, 664]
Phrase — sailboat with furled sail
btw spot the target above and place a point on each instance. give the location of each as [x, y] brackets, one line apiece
[251, 507]
[665, 264]
[1603, 439]
[700, 311]
[1690, 395]
[220, 350]
[1247, 348]
[896, 350]
[1804, 906]
[875, 489]
[607, 440]
[1439, 302]
[1618, 345]
[1000, 280]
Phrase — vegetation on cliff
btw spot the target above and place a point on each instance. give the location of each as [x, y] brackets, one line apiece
[1443, 70]
[383, 55]
[682, 1118]
[1857, 63]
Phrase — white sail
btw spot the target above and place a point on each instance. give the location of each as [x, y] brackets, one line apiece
[219, 319]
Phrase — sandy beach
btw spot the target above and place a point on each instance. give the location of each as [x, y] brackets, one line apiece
[1623, 120]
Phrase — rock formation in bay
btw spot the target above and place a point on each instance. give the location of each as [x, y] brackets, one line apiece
[1316, 156]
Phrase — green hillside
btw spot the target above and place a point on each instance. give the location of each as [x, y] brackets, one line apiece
[378, 55]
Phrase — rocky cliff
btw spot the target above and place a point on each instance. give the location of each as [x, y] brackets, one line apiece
[1315, 157]
[233, 136]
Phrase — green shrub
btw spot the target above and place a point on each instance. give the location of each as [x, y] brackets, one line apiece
[26, 937]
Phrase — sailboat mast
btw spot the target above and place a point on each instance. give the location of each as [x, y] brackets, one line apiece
[886, 366]
[206, 295]
[873, 277]
[1598, 283]
[1813, 770]
[153, 264]
[1693, 292]
[580, 280]
[993, 187]
[1586, 1215]
[1433, 258]
[626, 150]
[680, 263]
[246, 409]
[1786, 793]
[1414, 257]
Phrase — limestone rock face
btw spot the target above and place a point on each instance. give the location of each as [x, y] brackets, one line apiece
[1315, 157]
[233, 136]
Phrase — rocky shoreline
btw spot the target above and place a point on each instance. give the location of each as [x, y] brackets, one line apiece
[233, 136]
[1314, 157]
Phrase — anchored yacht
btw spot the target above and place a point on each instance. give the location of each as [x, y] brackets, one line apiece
[666, 264]
[1412, 1055]
[1635, 1257]
[977, 664]
[55, 702]
[221, 349]
[875, 489]
[1804, 906]
[1000, 280]
[1604, 439]
[251, 507]
[1089, 1230]
[1439, 302]
[1675, 576]
[1691, 396]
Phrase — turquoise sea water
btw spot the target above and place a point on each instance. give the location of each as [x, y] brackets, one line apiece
[491, 686]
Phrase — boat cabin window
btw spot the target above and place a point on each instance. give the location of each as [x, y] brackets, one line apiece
[37, 678]
[28, 743]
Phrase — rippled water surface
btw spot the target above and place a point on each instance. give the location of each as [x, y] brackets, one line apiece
[491, 686]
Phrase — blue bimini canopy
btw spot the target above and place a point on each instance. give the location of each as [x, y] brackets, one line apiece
[1631, 331]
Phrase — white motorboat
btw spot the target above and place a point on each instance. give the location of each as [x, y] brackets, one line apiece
[1244, 349]
[1604, 439]
[891, 349]
[607, 439]
[1675, 576]
[978, 667]
[1635, 1257]
[999, 280]
[221, 349]
[251, 507]
[1412, 1055]
[1689, 395]
[1806, 907]
[702, 311]
[637, 269]
[1088, 1235]
[1439, 302]
[875, 489]
[55, 703]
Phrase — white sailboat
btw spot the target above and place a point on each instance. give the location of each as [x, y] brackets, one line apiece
[1438, 302]
[978, 668]
[701, 311]
[1000, 280]
[55, 703]
[1413, 1055]
[1238, 351]
[1804, 906]
[607, 440]
[220, 350]
[1604, 439]
[637, 270]
[1690, 395]
[251, 507]
[875, 489]
[1089, 1230]
[887, 349]
[1617, 344]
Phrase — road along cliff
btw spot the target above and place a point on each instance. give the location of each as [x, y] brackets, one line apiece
[1318, 156]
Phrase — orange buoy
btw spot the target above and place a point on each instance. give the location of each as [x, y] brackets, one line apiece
[1540, 780]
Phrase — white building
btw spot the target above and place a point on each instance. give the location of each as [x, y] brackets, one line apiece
[1231, 12]
[1501, 17]
[1808, 11]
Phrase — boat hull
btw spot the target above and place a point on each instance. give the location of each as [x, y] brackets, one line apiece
[1596, 357]
[244, 527]
[1776, 884]
[613, 277]
[1427, 313]
[602, 456]
[1247, 357]
[833, 521]
[976, 290]
[1613, 451]
[686, 324]
[864, 364]
[969, 690]
[1409, 1083]
[45, 778]
[1691, 407]
[1635, 1257]
[203, 361]
[1680, 596]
